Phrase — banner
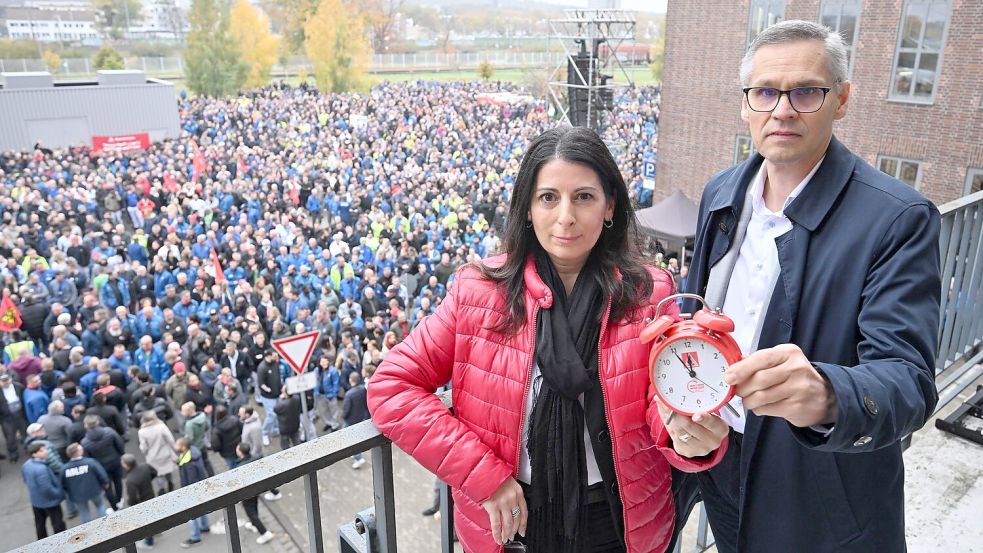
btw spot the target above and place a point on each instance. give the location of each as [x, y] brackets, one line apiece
[119, 144]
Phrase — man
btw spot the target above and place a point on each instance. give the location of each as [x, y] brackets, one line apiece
[269, 384]
[196, 429]
[105, 446]
[57, 426]
[252, 432]
[192, 469]
[840, 341]
[244, 453]
[288, 411]
[139, 485]
[84, 480]
[45, 491]
[34, 399]
[12, 417]
[355, 409]
[228, 392]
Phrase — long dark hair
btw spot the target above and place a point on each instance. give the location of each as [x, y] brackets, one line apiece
[617, 247]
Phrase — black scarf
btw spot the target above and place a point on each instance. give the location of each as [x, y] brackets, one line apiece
[566, 350]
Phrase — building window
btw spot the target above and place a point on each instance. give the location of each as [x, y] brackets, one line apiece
[764, 14]
[843, 16]
[974, 180]
[918, 58]
[908, 171]
[743, 148]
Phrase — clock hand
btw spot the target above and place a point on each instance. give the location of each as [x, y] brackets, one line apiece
[690, 370]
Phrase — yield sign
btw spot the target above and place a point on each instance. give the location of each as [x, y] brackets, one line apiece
[296, 350]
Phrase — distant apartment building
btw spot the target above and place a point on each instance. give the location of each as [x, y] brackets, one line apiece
[916, 103]
[46, 25]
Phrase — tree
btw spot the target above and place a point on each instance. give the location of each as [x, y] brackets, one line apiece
[260, 48]
[336, 44]
[380, 17]
[52, 61]
[213, 62]
[289, 18]
[108, 58]
[114, 17]
[485, 70]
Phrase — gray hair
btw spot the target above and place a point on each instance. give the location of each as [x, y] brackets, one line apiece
[797, 31]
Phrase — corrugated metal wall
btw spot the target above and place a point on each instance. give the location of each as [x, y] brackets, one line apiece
[71, 115]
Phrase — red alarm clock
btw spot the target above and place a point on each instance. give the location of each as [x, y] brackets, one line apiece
[689, 358]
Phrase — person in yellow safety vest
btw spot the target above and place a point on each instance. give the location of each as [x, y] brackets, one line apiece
[21, 348]
[31, 259]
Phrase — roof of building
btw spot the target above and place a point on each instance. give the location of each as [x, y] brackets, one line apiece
[35, 14]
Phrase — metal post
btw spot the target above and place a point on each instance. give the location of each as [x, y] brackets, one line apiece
[704, 538]
[382, 491]
[307, 423]
[313, 502]
[446, 519]
[232, 544]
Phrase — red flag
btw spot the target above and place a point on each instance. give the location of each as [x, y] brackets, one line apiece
[219, 273]
[198, 164]
[9, 314]
[241, 168]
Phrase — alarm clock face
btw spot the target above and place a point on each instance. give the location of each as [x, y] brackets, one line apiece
[689, 375]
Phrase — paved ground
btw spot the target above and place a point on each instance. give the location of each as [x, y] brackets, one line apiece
[944, 499]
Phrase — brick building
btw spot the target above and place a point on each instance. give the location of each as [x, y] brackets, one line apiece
[924, 125]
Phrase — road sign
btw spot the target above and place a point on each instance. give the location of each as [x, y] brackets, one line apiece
[296, 350]
[301, 383]
[648, 169]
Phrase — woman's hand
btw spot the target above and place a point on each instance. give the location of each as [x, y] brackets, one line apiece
[506, 500]
[694, 436]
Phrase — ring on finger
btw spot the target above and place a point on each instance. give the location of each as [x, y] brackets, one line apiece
[516, 512]
[684, 437]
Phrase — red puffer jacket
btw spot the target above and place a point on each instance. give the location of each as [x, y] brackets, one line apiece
[476, 448]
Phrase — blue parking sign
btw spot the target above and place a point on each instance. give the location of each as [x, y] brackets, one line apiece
[648, 169]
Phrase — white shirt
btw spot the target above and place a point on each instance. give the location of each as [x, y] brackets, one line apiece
[10, 394]
[525, 469]
[756, 268]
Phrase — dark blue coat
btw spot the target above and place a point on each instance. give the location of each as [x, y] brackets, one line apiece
[83, 479]
[859, 292]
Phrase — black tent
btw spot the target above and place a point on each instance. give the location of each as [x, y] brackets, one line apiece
[673, 220]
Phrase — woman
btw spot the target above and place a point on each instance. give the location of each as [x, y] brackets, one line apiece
[549, 379]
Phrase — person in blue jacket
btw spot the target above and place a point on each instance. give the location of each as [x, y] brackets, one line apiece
[114, 292]
[84, 481]
[150, 359]
[44, 490]
[35, 400]
[830, 270]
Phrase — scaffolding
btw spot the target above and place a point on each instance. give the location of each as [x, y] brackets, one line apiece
[591, 40]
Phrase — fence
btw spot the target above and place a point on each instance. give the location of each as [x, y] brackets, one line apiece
[961, 328]
[423, 61]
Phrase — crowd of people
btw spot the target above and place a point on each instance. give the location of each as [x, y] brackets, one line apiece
[149, 285]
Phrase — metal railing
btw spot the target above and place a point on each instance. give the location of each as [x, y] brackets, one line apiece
[961, 328]
[958, 364]
[121, 530]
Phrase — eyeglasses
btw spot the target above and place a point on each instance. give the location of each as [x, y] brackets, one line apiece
[804, 99]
